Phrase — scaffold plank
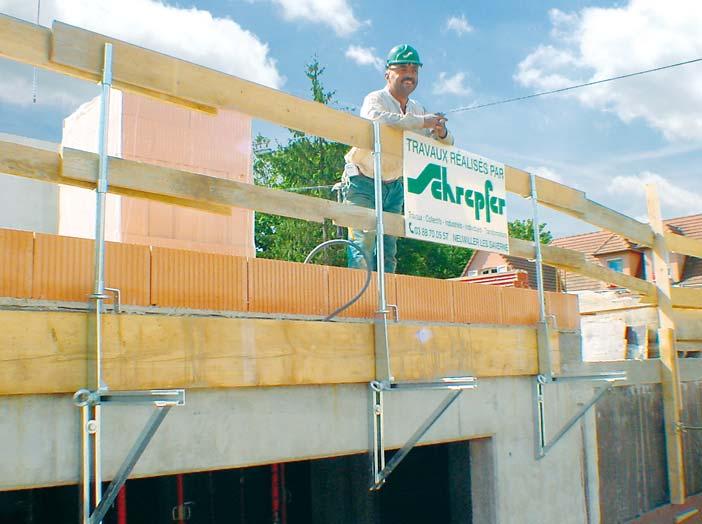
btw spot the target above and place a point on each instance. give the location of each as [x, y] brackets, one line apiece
[44, 352]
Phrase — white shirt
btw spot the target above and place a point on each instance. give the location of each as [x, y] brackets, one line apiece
[382, 106]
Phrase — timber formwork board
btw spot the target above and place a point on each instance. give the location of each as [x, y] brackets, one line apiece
[44, 352]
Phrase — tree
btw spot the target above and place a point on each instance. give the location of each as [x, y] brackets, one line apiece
[524, 229]
[304, 162]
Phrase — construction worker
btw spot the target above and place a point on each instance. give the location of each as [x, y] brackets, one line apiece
[390, 105]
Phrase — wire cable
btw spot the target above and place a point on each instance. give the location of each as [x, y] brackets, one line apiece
[34, 77]
[369, 273]
[570, 88]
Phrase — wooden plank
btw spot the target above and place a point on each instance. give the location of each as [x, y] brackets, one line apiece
[41, 161]
[151, 179]
[79, 52]
[24, 42]
[44, 352]
[142, 180]
[134, 66]
[681, 244]
[576, 262]
[670, 377]
[687, 297]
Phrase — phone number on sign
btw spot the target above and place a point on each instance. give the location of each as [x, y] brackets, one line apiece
[428, 232]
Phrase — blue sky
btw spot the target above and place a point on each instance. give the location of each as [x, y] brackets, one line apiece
[608, 140]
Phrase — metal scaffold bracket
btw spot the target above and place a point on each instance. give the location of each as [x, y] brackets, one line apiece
[381, 470]
[162, 399]
[543, 446]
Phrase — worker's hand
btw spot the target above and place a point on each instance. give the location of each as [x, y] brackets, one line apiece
[440, 128]
[437, 123]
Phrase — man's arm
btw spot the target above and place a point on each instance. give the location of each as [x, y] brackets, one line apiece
[374, 109]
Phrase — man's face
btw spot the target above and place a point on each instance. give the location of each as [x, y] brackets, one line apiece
[402, 78]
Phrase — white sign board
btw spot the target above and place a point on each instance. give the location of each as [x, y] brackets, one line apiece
[452, 196]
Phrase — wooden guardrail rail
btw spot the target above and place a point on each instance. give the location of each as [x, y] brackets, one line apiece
[77, 52]
[25, 158]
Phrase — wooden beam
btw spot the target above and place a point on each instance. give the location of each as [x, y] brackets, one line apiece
[41, 161]
[78, 52]
[215, 194]
[670, 377]
[576, 262]
[44, 352]
[687, 297]
[685, 245]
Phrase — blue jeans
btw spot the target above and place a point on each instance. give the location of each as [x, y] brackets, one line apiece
[360, 191]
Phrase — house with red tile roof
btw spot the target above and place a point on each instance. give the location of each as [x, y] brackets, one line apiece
[600, 247]
[617, 253]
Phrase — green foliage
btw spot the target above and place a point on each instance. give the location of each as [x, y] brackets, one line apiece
[427, 259]
[305, 161]
[524, 229]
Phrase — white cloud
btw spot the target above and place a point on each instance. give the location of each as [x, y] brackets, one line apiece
[337, 14]
[451, 85]
[52, 89]
[459, 25]
[191, 34]
[597, 43]
[364, 56]
[545, 172]
[678, 200]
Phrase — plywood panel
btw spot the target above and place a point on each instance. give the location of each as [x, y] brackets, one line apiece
[16, 252]
[190, 279]
[520, 306]
[427, 299]
[477, 303]
[276, 286]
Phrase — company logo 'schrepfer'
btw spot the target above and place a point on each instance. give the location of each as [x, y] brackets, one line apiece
[434, 177]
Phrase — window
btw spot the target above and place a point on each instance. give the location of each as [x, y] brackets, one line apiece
[488, 271]
[616, 264]
[472, 272]
[502, 269]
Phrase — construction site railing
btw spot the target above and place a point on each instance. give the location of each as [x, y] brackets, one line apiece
[77, 52]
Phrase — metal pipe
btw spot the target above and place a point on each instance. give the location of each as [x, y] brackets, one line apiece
[180, 498]
[85, 469]
[379, 227]
[99, 285]
[122, 505]
[537, 246]
[275, 494]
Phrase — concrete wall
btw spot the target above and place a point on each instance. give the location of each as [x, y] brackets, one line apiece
[230, 428]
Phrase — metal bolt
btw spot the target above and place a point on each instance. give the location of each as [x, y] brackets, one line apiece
[92, 426]
[378, 409]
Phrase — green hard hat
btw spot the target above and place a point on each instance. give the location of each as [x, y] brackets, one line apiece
[403, 54]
